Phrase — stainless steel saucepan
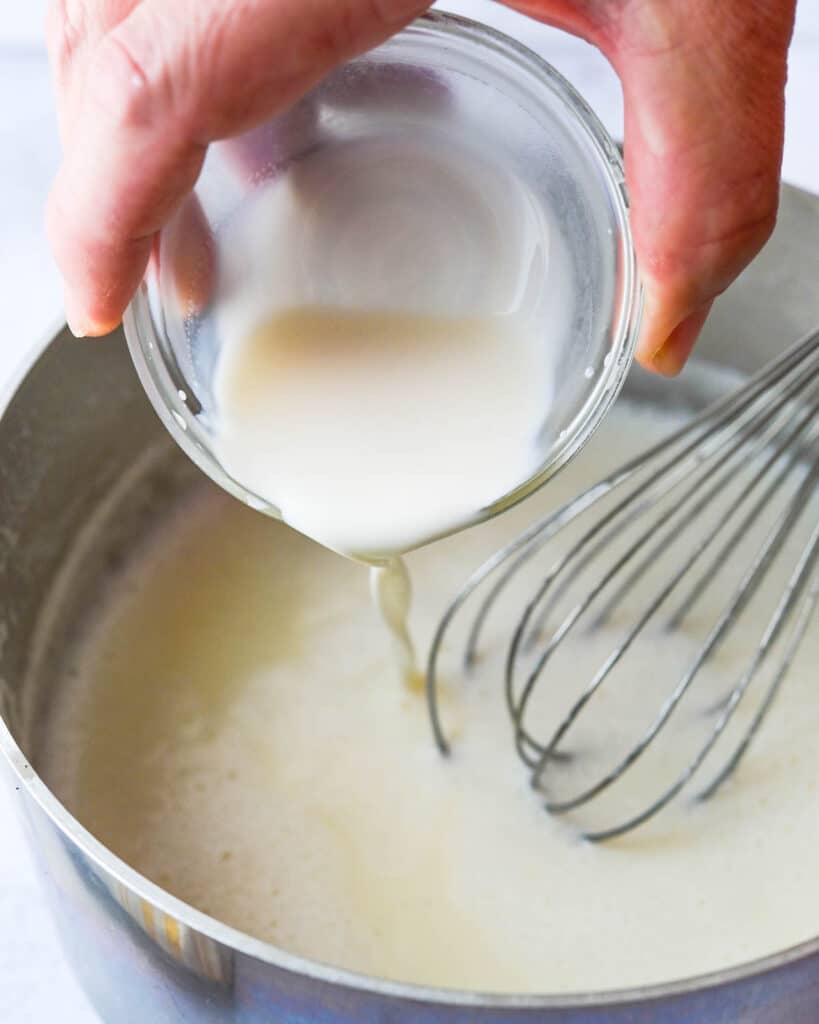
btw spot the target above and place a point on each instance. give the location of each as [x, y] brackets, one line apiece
[77, 429]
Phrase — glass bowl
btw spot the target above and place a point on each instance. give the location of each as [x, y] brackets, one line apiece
[452, 79]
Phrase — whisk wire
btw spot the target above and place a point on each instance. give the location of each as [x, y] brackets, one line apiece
[807, 611]
[723, 413]
[742, 595]
[668, 528]
[731, 462]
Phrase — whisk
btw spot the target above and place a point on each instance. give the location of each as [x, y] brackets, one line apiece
[747, 465]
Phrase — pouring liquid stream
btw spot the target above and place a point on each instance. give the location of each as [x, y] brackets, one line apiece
[391, 590]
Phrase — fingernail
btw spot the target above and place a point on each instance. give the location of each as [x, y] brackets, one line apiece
[672, 355]
[77, 321]
[76, 330]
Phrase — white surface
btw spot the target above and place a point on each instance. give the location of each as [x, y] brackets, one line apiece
[35, 986]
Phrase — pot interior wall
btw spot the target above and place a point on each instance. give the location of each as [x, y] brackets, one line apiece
[76, 423]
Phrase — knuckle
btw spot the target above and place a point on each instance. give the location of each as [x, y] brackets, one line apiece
[392, 12]
[751, 217]
[701, 256]
[118, 82]
[336, 37]
[145, 74]
[747, 222]
[757, 230]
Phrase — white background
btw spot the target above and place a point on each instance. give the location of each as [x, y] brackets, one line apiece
[35, 986]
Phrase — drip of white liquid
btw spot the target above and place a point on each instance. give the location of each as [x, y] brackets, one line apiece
[391, 589]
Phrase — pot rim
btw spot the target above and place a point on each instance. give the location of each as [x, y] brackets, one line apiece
[238, 941]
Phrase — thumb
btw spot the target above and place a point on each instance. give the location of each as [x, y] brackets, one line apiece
[704, 91]
[704, 88]
[157, 88]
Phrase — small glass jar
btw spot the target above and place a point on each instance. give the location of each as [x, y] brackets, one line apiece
[449, 75]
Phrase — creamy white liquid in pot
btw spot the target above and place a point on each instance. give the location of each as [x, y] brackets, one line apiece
[232, 727]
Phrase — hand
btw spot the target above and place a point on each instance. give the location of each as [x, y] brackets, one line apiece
[704, 90]
[144, 86]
